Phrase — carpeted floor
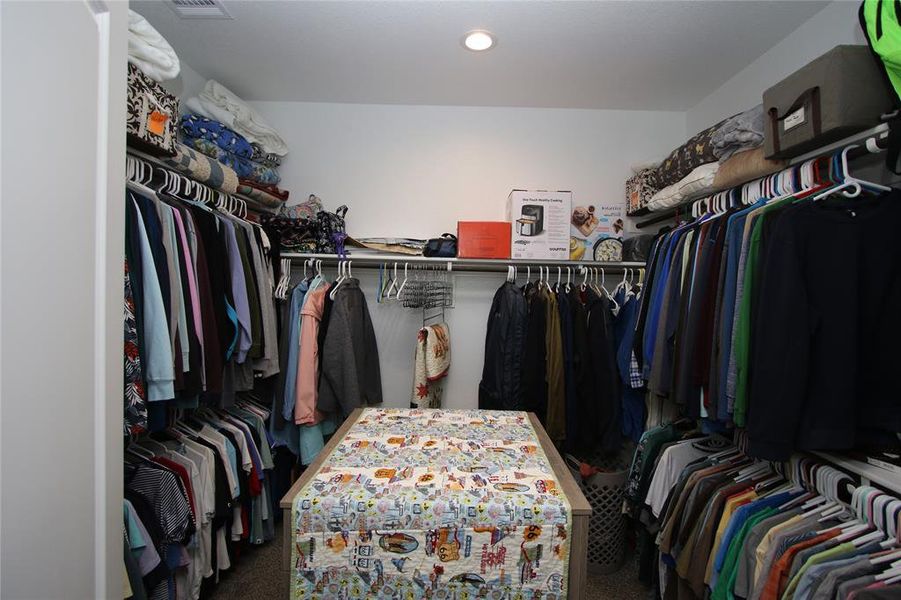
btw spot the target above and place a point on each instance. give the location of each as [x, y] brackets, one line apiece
[260, 577]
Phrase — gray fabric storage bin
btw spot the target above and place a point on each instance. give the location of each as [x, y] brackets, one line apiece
[836, 95]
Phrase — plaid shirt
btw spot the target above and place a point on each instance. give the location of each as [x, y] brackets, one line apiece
[635, 378]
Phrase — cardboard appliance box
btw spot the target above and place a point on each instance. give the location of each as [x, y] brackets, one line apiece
[590, 228]
[540, 224]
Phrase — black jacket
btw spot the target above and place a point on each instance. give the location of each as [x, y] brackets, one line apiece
[534, 365]
[501, 385]
[601, 400]
[826, 341]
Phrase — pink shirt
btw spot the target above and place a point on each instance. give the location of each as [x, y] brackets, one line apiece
[192, 289]
[307, 389]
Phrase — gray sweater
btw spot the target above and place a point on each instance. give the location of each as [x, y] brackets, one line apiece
[351, 375]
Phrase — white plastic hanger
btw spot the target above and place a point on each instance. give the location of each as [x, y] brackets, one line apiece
[393, 286]
[401, 288]
[852, 186]
[340, 279]
[892, 573]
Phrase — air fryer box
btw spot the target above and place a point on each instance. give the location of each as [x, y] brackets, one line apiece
[540, 222]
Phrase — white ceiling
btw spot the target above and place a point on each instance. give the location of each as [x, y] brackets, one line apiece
[662, 55]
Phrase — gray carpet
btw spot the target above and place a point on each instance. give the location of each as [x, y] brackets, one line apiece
[259, 576]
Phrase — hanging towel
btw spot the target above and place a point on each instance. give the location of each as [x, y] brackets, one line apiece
[431, 364]
[149, 51]
[217, 102]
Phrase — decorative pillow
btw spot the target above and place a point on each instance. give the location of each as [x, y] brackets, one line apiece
[681, 161]
[695, 184]
[744, 166]
[639, 189]
[152, 113]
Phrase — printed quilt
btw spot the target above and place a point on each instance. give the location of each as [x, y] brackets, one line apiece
[424, 503]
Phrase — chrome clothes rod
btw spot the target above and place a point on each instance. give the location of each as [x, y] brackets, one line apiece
[485, 265]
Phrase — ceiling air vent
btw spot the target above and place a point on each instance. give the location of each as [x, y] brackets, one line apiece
[199, 9]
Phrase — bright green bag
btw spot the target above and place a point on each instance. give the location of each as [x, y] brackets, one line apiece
[881, 24]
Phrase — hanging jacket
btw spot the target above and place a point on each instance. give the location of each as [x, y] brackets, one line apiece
[501, 385]
[824, 354]
[578, 437]
[556, 401]
[351, 375]
[534, 368]
[603, 413]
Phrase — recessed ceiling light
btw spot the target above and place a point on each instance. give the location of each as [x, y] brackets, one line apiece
[478, 40]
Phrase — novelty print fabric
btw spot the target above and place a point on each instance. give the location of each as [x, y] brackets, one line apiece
[433, 504]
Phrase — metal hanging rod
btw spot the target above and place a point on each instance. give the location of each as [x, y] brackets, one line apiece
[486, 265]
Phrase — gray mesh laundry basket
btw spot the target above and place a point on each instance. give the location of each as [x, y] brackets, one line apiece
[607, 526]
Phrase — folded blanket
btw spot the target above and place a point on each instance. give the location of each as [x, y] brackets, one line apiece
[149, 51]
[264, 198]
[266, 158]
[219, 103]
[272, 190]
[245, 168]
[203, 169]
[196, 126]
[743, 131]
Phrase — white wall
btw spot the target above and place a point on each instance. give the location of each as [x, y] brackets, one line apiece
[416, 170]
[188, 83]
[836, 24]
[61, 276]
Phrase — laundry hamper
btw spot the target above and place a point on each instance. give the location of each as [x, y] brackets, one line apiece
[607, 525]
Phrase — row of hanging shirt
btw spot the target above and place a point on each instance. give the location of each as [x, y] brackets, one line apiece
[563, 351]
[329, 360]
[200, 319]
[779, 313]
[721, 525]
[193, 493]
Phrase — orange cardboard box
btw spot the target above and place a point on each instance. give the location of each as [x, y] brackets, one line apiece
[483, 239]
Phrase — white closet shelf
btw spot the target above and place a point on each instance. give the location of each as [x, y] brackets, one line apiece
[879, 133]
[867, 472]
[461, 264]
